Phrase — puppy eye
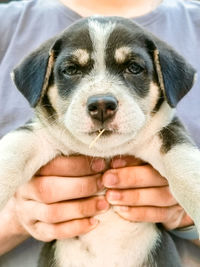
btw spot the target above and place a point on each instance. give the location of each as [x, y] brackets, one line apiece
[71, 69]
[134, 68]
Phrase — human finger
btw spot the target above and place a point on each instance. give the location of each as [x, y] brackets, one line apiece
[64, 211]
[154, 196]
[54, 189]
[133, 177]
[47, 232]
[74, 166]
[169, 216]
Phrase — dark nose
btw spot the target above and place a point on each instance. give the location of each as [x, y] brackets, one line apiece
[102, 107]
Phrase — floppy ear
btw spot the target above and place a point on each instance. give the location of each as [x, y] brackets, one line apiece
[32, 75]
[175, 75]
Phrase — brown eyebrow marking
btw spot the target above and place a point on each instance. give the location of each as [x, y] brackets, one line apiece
[122, 53]
[82, 56]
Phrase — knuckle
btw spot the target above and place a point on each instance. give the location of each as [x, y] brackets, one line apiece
[83, 188]
[42, 189]
[134, 177]
[128, 173]
[136, 195]
[87, 187]
[23, 213]
[162, 214]
[87, 208]
[49, 214]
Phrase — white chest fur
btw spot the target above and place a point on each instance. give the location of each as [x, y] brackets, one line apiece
[112, 244]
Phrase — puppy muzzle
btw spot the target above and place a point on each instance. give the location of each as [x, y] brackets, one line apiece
[102, 107]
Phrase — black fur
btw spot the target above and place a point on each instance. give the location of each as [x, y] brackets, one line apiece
[177, 75]
[26, 127]
[165, 254]
[47, 255]
[132, 38]
[171, 135]
[51, 114]
[29, 76]
[70, 41]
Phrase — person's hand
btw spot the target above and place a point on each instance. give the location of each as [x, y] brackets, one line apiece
[140, 194]
[58, 202]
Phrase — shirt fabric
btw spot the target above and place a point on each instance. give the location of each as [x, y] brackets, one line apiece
[26, 24]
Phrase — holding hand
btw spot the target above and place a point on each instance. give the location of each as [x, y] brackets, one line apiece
[57, 203]
[140, 194]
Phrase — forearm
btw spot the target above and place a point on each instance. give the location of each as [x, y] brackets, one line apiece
[11, 232]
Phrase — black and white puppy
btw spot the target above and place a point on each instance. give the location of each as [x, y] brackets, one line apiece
[106, 73]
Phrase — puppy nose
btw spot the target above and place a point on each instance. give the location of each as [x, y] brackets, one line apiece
[102, 107]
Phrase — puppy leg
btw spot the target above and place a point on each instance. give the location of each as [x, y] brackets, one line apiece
[180, 164]
[22, 153]
[182, 167]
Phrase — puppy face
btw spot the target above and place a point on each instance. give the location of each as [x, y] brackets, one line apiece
[102, 83]
[103, 73]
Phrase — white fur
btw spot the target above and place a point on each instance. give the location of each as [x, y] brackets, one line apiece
[128, 120]
[127, 244]
[182, 169]
[99, 35]
[19, 159]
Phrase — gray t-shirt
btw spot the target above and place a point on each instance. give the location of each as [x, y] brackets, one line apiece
[25, 24]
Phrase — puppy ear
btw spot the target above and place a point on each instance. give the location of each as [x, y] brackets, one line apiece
[32, 75]
[175, 75]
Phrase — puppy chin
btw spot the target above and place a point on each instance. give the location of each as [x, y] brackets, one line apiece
[116, 136]
[104, 144]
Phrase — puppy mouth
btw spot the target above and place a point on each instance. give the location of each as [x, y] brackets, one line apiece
[104, 132]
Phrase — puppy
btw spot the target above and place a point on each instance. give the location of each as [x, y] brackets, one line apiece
[106, 75]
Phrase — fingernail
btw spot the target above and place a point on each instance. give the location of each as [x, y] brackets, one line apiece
[102, 205]
[110, 179]
[98, 165]
[113, 195]
[93, 221]
[118, 163]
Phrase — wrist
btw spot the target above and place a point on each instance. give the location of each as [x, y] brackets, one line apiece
[185, 229]
[12, 232]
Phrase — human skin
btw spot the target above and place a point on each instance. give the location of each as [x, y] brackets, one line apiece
[36, 209]
[124, 8]
[62, 202]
